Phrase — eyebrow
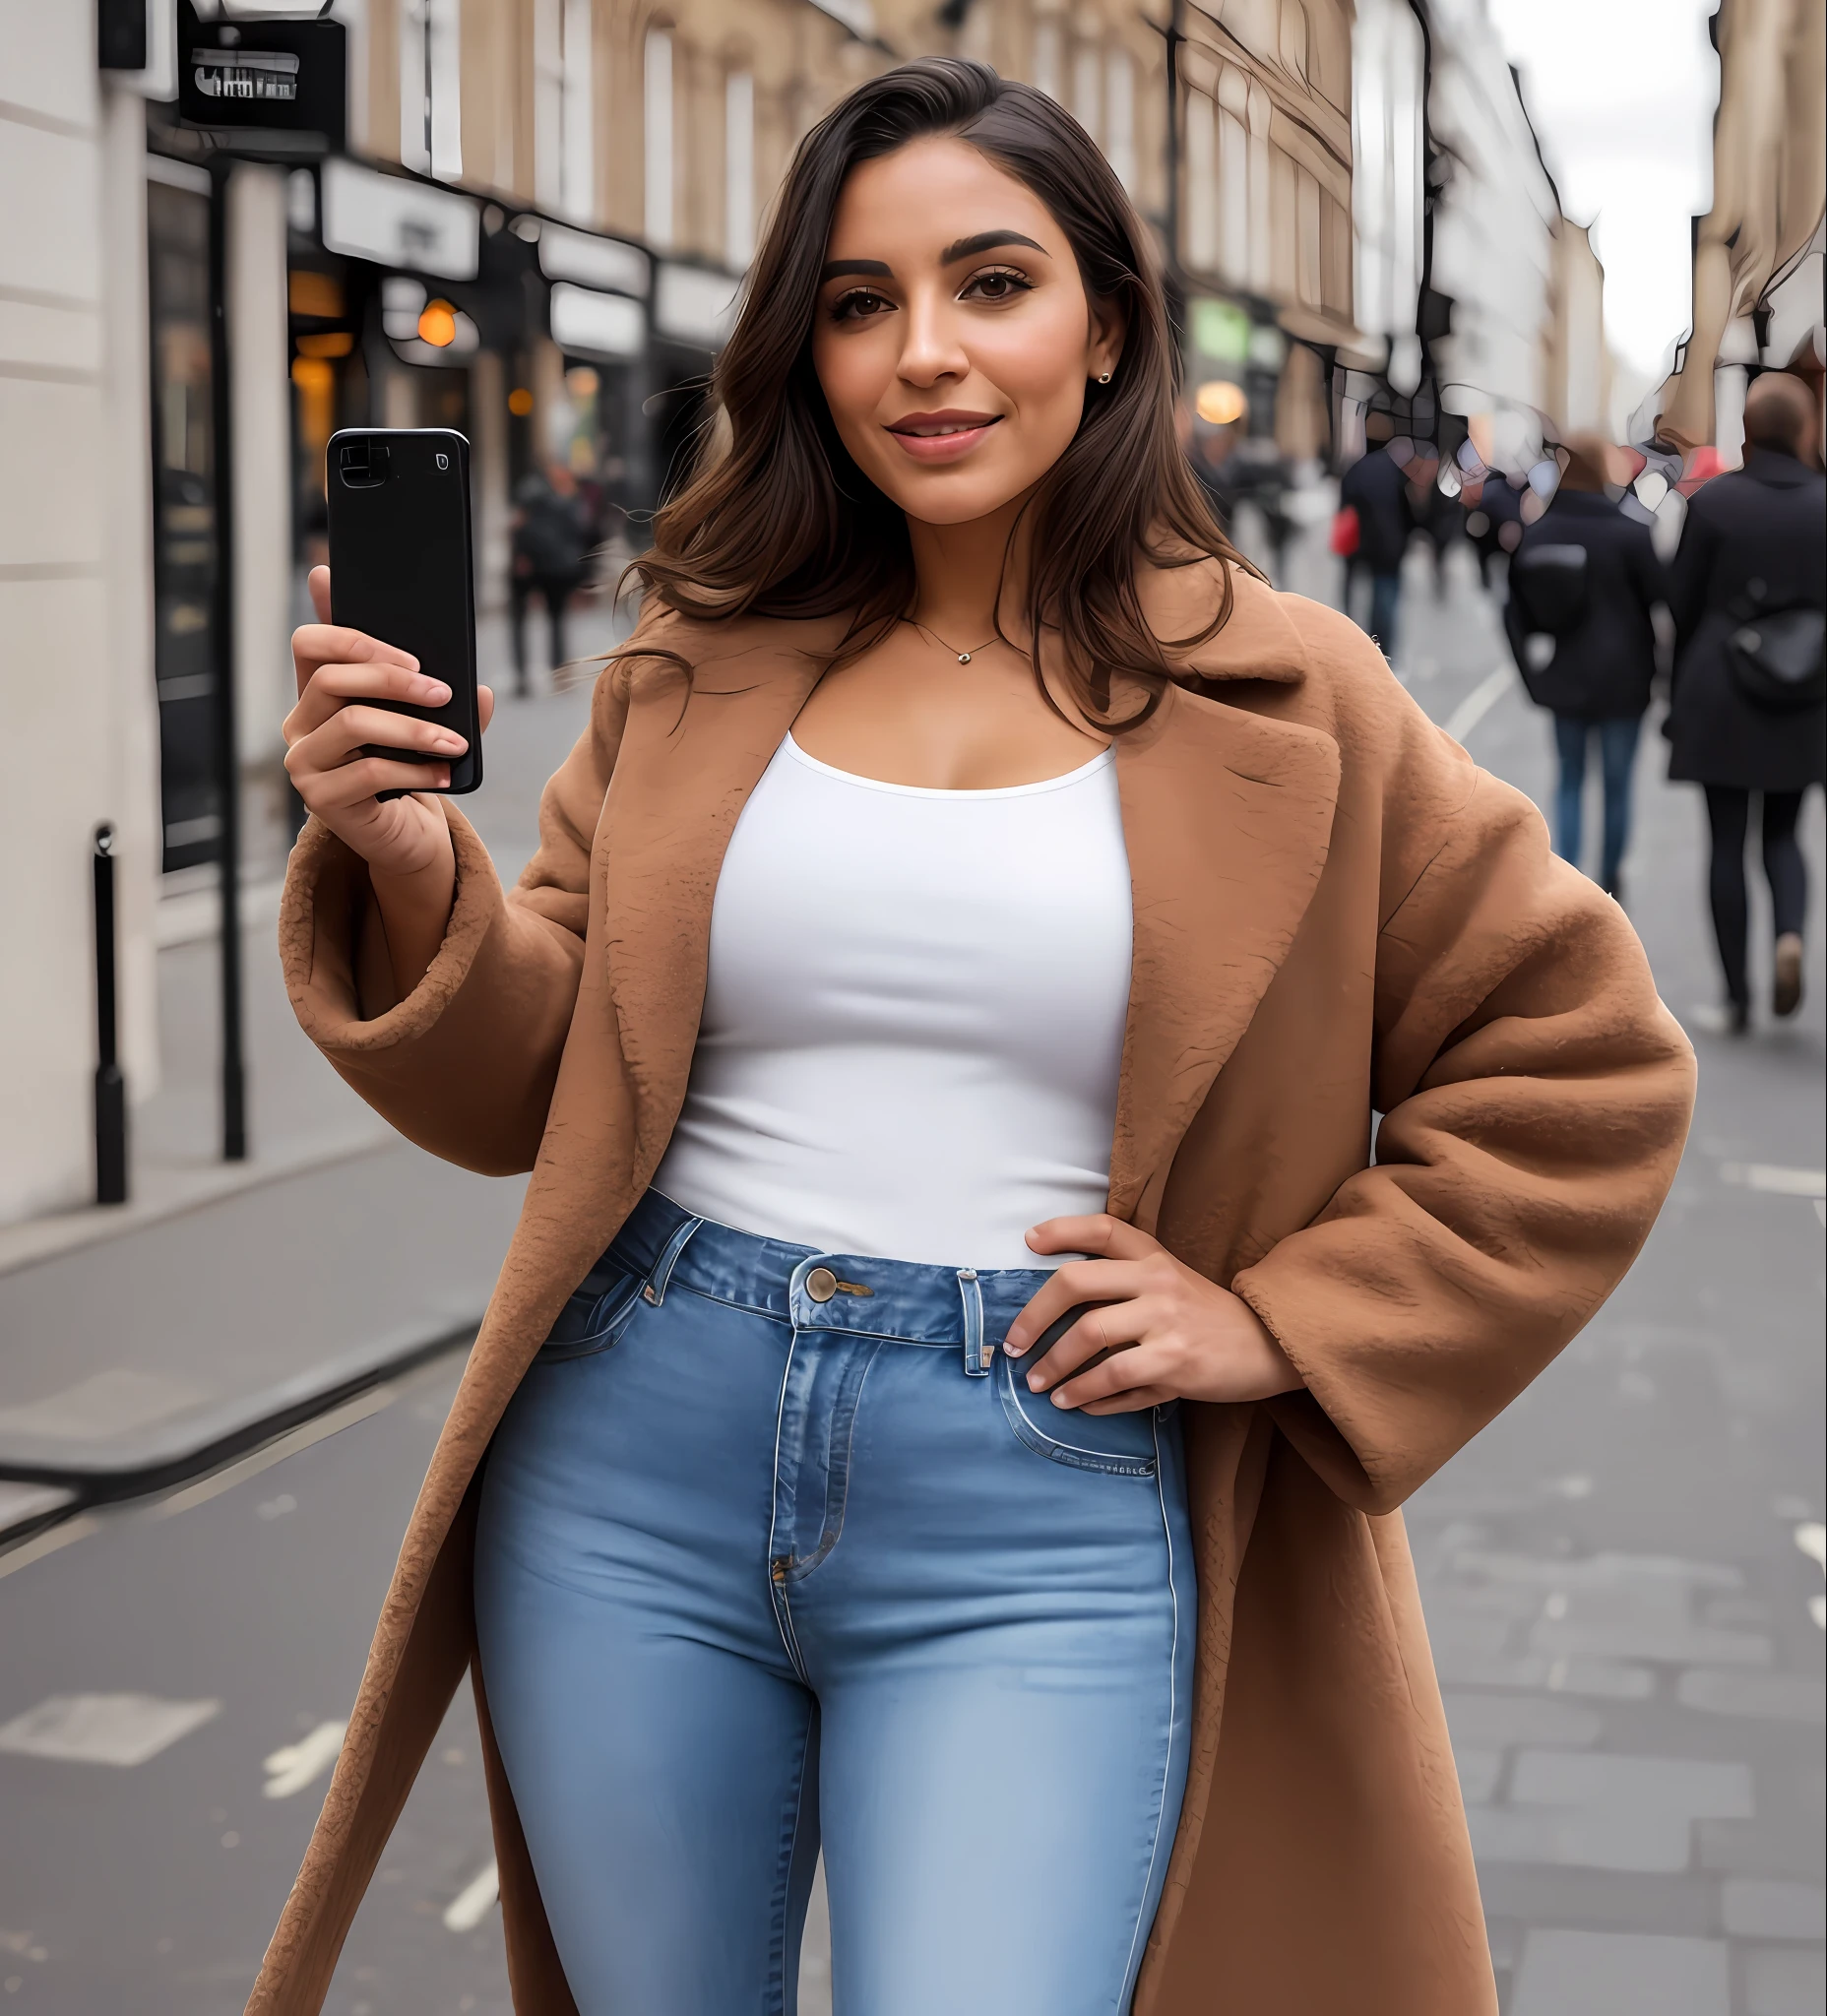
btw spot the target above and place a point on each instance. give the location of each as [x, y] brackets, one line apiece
[965, 248]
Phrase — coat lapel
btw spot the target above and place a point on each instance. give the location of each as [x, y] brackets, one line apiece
[1227, 817]
[684, 772]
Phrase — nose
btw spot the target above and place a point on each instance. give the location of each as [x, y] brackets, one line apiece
[930, 345]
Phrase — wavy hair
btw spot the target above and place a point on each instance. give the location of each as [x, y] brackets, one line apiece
[776, 519]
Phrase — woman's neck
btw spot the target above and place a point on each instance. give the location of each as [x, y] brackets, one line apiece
[959, 570]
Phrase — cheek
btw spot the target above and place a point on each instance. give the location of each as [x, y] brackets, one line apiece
[853, 374]
[1039, 363]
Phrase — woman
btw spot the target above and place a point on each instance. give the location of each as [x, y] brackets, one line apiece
[1753, 548]
[1581, 585]
[969, 865]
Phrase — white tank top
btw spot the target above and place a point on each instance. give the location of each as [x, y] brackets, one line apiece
[913, 1019]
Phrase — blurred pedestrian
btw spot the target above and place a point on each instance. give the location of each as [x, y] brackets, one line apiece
[1439, 517]
[1494, 521]
[552, 539]
[1582, 584]
[1375, 489]
[1749, 706]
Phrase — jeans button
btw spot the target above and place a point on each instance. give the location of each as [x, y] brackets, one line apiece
[821, 1284]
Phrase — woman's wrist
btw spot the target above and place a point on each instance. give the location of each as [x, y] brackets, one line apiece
[415, 914]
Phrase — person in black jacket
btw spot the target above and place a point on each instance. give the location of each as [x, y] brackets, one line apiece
[1583, 580]
[1375, 488]
[552, 558]
[1754, 546]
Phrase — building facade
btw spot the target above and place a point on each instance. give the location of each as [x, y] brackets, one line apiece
[533, 228]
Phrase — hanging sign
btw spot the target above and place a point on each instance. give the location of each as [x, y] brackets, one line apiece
[273, 76]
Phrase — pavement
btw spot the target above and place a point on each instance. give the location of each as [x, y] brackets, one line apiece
[1623, 1578]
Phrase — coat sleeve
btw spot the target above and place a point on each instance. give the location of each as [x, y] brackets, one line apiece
[1690, 572]
[466, 1063]
[1534, 1095]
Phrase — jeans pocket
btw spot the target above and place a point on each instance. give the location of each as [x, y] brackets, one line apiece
[595, 1316]
[1115, 1445]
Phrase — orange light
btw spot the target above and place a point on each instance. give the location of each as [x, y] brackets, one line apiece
[1218, 402]
[338, 343]
[313, 294]
[437, 325]
[312, 376]
[519, 401]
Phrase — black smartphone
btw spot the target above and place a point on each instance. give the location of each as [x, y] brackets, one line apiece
[403, 569]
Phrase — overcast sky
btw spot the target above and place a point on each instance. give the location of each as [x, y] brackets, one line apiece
[1621, 92]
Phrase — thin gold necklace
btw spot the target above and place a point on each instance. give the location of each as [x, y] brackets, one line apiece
[964, 657]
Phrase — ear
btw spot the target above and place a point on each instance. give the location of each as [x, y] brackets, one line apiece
[1109, 326]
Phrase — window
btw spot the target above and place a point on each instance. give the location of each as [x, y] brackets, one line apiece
[563, 164]
[657, 108]
[738, 169]
[1046, 57]
[1087, 88]
[431, 89]
[1120, 118]
[1201, 183]
[1234, 175]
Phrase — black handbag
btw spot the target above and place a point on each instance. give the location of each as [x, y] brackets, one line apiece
[1778, 660]
[1550, 586]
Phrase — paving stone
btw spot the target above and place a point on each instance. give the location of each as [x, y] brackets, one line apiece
[1572, 1837]
[1691, 1788]
[1785, 1981]
[1503, 1720]
[1621, 1974]
[1600, 1680]
[1478, 1772]
[1786, 1843]
[1668, 1641]
[1758, 1909]
[1770, 1697]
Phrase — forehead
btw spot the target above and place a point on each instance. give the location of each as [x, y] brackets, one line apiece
[930, 194]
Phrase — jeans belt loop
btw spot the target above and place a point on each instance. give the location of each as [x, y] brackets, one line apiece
[977, 1354]
[656, 1290]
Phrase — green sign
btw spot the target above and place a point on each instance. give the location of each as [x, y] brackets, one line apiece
[1220, 330]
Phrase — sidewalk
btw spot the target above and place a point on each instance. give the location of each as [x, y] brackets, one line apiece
[227, 1301]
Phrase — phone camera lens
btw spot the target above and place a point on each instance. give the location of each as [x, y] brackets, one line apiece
[444, 461]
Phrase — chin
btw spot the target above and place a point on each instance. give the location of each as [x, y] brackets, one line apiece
[967, 495]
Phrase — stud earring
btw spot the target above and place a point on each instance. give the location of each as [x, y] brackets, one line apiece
[1104, 377]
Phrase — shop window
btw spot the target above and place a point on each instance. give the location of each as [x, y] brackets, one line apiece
[184, 531]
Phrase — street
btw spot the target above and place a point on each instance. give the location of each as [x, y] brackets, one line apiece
[1622, 1575]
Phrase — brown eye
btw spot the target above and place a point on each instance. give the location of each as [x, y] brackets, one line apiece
[998, 284]
[859, 303]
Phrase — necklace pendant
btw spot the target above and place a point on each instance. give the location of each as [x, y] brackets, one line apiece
[964, 657]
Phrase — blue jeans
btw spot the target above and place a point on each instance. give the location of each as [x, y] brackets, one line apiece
[757, 1569]
[1617, 757]
[1385, 609]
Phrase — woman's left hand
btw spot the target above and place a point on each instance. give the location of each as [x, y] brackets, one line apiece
[1173, 1334]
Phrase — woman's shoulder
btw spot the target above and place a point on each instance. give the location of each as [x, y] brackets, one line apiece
[1266, 638]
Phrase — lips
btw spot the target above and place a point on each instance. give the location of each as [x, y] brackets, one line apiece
[944, 436]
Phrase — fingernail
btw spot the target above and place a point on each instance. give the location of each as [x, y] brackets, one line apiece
[437, 692]
[1034, 1383]
[456, 743]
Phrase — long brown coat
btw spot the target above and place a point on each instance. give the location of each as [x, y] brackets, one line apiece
[1336, 914]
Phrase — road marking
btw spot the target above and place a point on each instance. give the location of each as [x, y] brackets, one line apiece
[299, 1764]
[474, 1902]
[1775, 1181]
[1811, 1538]
[103, 1728]
[1479, 702]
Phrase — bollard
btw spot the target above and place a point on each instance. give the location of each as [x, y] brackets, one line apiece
[111, 1086]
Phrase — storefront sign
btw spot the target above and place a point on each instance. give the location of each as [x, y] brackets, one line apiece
[593, 262]
[397, 222]
[695, 306]
[600, 325]
[273, 75]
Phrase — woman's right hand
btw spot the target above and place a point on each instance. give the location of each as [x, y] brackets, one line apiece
[340, 673]
[405, 841]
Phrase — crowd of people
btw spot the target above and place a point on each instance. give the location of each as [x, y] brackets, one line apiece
[1730, 627]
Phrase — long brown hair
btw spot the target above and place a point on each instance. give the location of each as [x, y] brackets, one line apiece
[778, 520]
